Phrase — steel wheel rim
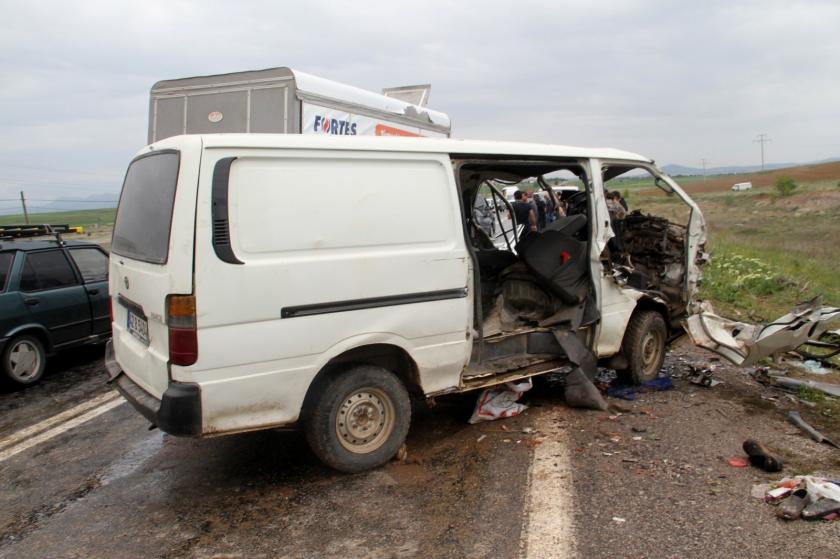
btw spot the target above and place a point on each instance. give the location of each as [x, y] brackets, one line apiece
[651, 349]
[365, 420]
[24, 360]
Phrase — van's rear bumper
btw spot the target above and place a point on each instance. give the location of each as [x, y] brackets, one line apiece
[178, 412]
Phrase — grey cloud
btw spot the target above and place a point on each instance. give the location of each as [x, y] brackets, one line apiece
[674, 80]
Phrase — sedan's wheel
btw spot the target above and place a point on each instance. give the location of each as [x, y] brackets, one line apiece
[24, 360]
[359, 418]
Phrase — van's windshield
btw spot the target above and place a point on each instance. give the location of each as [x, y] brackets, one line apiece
[144, 216]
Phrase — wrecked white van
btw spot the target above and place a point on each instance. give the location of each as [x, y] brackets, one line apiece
[260, 281]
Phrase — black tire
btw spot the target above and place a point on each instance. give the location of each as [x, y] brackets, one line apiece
[358, 418]
[644, 346]
[23, 361]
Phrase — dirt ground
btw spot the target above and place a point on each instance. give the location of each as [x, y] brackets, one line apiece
[660, 464]
[648, 478]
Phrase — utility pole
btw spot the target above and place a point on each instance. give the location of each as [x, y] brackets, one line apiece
[23, 203]
[762, 139]
[704, 162]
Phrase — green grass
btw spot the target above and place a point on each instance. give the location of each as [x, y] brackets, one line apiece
[84, 218]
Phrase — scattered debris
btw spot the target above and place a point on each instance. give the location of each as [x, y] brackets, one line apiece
[582, 393]
[805, 497]
[812, 366]
[791, 508]
[796, 419]
[828, 388]
[760, 456]
[501, 401]
[638, 429]
[737, 462]
[776, 495]
[402, 453]
[481, 438]
[619, 519]
[626, 392]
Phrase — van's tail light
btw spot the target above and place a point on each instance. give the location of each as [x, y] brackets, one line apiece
[183, 338]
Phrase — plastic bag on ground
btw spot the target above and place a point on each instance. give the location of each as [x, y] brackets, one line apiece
[500, 401]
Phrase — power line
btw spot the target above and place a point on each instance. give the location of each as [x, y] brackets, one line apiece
[762, 139]
[63, 201]
[704, 162]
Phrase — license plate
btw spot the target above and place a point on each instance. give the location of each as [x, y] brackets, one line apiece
[138, 326]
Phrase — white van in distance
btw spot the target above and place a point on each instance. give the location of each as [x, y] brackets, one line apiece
[261, 280]
[737, 187]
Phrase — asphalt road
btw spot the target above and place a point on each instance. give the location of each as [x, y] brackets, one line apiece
[83, 476]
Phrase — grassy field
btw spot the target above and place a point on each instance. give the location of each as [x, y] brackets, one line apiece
[88, 219]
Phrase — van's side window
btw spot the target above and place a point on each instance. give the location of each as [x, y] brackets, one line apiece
[46, 270]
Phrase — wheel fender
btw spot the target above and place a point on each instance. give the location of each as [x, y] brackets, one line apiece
[34, 329]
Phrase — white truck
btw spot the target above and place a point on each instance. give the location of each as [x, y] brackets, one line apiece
[739, 186]
[287, 101]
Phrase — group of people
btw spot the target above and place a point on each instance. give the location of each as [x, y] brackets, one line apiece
[535, 211]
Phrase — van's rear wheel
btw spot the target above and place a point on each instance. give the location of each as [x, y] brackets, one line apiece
[644, 346]
[359, 418]
[24, 360]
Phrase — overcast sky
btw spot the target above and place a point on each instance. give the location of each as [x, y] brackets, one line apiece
[677, 81]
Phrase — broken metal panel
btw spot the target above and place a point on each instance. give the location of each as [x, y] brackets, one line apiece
[746, 344]
[617, 305]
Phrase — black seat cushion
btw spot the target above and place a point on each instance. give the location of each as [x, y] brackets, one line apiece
[491, 262]
[569, 224]
[559, 264]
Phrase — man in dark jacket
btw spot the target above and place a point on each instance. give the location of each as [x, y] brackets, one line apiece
[523, 211]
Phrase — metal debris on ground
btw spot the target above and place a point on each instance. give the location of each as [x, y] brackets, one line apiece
[796, 419]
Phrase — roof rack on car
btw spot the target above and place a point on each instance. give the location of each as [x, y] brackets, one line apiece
[11, 232]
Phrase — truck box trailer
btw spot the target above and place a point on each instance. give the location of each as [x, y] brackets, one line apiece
[284, 101]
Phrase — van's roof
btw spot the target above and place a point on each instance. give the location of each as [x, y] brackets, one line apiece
[421, 145]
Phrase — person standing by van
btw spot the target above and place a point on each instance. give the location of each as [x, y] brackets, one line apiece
[524, 213]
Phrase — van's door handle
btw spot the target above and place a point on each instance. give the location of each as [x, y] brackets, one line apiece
[93, 291]
[31, 301]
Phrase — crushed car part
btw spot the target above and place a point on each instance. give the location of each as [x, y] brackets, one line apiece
[746, 344]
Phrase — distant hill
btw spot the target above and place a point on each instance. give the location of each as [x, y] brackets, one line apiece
[677, 170]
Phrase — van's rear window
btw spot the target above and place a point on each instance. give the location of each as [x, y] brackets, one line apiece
[144, 217]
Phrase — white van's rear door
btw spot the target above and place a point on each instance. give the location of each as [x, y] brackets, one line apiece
[746, 344]
[152, 256]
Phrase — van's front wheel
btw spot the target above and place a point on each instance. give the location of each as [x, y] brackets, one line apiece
[644, 346]
[359, 418]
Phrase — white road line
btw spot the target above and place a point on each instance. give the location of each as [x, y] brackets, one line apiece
[61, 428]
[23, 434]
[549, 530]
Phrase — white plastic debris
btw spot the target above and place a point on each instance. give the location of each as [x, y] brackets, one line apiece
[812, 366]
[501, 401]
